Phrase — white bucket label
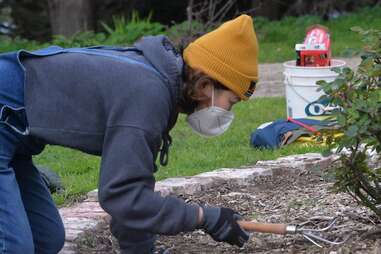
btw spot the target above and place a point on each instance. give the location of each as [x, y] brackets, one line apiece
[319, 108]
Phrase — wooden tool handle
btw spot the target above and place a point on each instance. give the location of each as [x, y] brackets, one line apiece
[263, 227]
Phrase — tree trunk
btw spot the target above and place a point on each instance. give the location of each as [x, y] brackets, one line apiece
[68, 17]
[30, 19]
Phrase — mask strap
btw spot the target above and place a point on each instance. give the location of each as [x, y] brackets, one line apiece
[213, 97]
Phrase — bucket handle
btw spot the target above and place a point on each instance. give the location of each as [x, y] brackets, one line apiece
[288, 82]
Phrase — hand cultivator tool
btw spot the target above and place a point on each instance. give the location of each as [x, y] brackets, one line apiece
[312, 234]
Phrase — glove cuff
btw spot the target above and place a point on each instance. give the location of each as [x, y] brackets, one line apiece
[211, 216]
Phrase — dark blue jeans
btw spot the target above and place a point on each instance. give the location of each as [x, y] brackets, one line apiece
[29, 220]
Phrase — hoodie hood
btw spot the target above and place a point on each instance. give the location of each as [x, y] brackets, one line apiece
[163, 56]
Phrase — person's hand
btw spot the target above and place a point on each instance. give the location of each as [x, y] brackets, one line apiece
[221, 224]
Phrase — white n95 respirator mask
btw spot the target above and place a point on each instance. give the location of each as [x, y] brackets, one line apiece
[210, 121]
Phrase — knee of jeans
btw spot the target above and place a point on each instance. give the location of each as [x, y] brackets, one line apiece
[56, 242]
[52, 240]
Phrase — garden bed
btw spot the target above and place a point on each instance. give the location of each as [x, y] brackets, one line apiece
[288, 199]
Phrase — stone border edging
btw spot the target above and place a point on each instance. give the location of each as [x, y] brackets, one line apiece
[87, 214]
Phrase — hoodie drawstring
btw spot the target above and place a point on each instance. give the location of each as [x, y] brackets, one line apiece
[164, 150]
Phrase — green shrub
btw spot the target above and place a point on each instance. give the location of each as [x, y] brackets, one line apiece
[182, 30]
[8, 44]
[127, 32]
[121, 32]
[276, 38]
[84, 39]
[358, 95]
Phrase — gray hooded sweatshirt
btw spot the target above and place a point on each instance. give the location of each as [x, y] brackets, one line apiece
[117, 103]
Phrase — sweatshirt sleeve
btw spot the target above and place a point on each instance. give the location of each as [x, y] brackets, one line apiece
[126, 187]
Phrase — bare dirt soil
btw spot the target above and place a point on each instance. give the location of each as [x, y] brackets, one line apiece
[281, 199]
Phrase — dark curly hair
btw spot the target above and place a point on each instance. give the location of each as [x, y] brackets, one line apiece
[191, 79]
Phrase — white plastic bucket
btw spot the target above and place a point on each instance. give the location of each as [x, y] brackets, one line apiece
[301, 89]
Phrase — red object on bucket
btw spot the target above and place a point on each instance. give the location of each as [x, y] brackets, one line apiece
[316, 49]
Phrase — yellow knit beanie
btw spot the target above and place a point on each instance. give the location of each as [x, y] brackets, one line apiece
[229, 55]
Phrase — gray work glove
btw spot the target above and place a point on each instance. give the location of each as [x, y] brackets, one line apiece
[221, 224]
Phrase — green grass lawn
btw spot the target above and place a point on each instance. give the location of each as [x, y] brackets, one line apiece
[277, 39]
[189, 155]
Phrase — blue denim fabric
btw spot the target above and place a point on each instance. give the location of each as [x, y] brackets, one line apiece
[29, 219]
[11, 81]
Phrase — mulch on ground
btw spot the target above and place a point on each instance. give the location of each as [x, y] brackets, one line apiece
[280, 199]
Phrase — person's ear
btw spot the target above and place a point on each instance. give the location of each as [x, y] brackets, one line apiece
[203, 89]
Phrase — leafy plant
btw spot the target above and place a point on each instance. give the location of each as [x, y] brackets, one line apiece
[14, 44]
[83, 39]
[178, 32]
[122, 32]
[358, 95]
[126, 32]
